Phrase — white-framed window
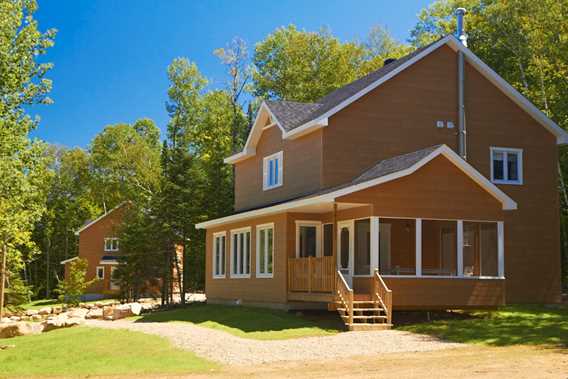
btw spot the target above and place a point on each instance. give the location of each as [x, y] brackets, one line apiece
[308, 239]
[240, 253]
[111, 244]
[219, 246]
[100, 272]
[272, 171]
[506, 165]
[264, 250]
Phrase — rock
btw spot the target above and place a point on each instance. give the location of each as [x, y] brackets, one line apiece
[44, 311]
[95, 313]
[135, 308]
[126, 310]
[31, 312]
[15, 318]
[61, 321]
[25, 318]
[78, 312]
[16, 329]
[108, 312]
[36, 318]
[56, 310]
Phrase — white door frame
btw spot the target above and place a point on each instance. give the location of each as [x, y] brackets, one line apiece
[347, 272]
[113, 286]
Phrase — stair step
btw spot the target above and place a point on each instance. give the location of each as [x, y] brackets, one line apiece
[364, 317]
[367, 327]
[361, 309]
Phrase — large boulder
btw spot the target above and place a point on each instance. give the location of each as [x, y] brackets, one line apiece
[44, 311]
[16, 329]
[108, 312]
[56, 310]
[126, 310]
[78, 312]
[95, 313]
[31, 312]
[62, 321]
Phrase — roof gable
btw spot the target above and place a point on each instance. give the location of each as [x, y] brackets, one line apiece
[297, 119]
[91, 223]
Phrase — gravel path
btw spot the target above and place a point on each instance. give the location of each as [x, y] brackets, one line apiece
[225, 348]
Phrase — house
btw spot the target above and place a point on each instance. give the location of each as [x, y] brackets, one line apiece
[430, 183]
[99, 245]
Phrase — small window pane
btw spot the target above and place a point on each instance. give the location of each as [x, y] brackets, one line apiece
[270, 251]
[498, 166]
[235, 253]
[512, 166]
[262, 252]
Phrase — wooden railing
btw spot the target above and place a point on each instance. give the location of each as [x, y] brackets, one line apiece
[383, 295]
[311, 274]
[344, 295]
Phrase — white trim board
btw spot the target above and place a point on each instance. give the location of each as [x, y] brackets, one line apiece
[68, 260]
[99, 218]
[506, 202]
[452, 42]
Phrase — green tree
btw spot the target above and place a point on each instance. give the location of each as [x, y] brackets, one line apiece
[74, 286]
[22, 161]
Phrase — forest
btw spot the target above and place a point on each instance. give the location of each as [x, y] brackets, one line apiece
[177, 179]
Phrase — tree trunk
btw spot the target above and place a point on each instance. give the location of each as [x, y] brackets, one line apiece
[3, 277]
[179, 276]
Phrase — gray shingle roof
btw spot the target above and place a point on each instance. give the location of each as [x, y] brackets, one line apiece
[291, 114]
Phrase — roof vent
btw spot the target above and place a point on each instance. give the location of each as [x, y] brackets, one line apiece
[389, 60]
[460, 13]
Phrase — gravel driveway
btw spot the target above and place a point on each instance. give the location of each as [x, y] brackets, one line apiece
[225, 348]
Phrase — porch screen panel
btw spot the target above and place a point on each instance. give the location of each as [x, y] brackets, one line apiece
[308, 235]
[362, 247]
[328, 240]
[397, 246]
[480, 249]
[439, 248]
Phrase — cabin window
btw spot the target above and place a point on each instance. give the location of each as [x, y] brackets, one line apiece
[264, 250]
[272, 171]
[506, 165]
[480, 249]
[111, 244]
[439, 248]
[219, 245]
[308, 239]
[328, 240]
[240, 251]
[397, 246]
[100, 272]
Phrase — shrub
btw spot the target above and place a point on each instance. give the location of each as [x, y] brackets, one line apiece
[73, 287]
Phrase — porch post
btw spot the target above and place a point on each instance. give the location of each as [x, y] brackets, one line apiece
[374, 244]
[460, 248]
[501, 249]
[418, 247]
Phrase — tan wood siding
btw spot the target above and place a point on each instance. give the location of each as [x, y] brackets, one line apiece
[253, 289]
[302, 169]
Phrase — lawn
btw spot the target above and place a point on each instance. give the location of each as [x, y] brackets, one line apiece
[86, 351]
[511, 325]
[254, 323]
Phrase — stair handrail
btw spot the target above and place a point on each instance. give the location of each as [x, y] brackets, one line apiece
[344, 295]
[383, 294]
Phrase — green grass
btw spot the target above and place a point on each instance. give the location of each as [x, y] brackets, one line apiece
[511, 325]
[86, 351]
[254, 323]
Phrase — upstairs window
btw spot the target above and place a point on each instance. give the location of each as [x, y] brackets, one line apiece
[111, 244]
[272, 171]
[506, 165]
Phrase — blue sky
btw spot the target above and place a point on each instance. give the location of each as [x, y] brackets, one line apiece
[111, 56]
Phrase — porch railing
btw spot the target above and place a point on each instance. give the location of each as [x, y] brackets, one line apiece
[311, 274]
[382, 294]
[344, 297]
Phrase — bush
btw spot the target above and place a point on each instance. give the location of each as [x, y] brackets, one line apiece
[73, 287]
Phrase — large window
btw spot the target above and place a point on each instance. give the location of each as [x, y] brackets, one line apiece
[480, 249]
[506, 165]
[307, 239]
[439, 247]
[362, 247]
[272, 171]
[240, 253]
[264, 250]
[219, 244]
[397, 246]
[111, 244]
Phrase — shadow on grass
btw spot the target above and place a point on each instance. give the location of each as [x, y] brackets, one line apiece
[511, 325]
[248, 319]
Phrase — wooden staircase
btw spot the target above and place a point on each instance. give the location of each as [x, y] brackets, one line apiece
[362, 311]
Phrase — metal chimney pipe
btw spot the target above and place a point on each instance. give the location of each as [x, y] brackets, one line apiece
[462, 133]
[460, 13]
